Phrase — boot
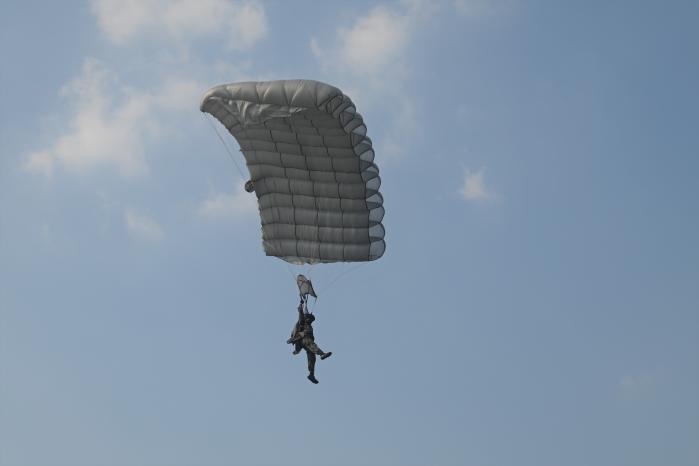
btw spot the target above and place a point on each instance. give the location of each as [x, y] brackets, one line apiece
[326, 355]
[312, 378]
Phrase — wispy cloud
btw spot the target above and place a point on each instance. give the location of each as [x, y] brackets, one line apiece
[110, 124]
[369, 61]
[242, 23]
[374, 48]
[474, 188]
[238, 205]
[375, 42]
[142, 227]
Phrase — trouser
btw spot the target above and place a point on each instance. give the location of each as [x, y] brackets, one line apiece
[311, 351]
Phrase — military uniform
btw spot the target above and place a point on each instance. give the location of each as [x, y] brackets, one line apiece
[302, 338]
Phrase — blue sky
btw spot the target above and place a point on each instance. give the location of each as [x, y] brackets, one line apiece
[538, 303]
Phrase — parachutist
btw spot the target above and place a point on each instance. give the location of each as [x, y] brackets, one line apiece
[302, 338]
[312, 170]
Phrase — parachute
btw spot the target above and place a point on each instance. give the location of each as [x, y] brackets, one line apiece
[311, 166]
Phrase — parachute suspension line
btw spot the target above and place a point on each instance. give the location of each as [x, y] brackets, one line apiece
[332, 282]
[228, 150]
[351, 269]
[288, 267]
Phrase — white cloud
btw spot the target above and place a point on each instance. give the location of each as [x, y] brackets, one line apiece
[249, 25]
[105, 133]
[375, 41]
[40, 162]
[142, 227]
[229, 206]
[369, 61]
[474, 186]
[242, 23]
[374, 47]
[120, 19]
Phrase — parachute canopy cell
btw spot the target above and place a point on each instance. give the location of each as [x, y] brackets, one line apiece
[311, 166]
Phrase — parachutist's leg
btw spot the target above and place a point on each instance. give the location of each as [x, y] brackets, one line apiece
[297, 347]
[311, 362]
[311, 366]
[313, 347]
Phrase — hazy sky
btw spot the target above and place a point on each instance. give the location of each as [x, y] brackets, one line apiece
[538, 302]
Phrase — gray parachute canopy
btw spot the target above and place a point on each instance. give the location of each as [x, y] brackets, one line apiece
[311, 166]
